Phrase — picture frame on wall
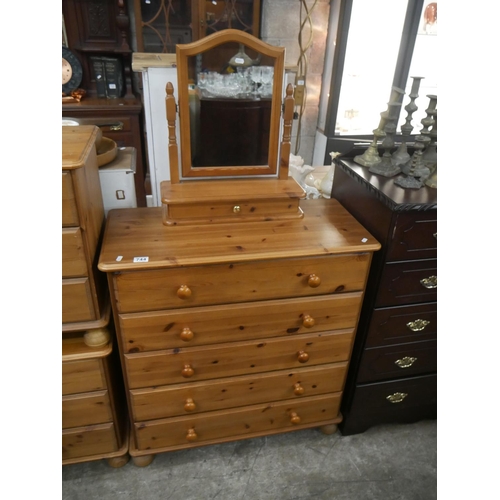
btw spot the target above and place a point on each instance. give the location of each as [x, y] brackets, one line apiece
[428, 21]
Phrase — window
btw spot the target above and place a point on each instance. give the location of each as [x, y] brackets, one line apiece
[379, 45]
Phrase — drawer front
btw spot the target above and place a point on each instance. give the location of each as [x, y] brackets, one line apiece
[387, 401]
[186, 399]
[88, 441]
[86, 409]
[414, 236]
[404, 360]
[236, 358]
[77, 302]
[408, 283]
[243, 282]
[74, 262]
[257, 209]
[242, 422]
[397, 325]
[69, 208]
[236, 322]
[82, 376]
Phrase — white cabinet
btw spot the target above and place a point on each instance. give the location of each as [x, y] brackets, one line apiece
[157, 70]
[117, 180]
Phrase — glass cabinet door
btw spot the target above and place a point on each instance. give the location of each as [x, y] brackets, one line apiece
[216, 15]
[162, 24]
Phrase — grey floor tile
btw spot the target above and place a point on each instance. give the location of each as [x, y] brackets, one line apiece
[392, 462]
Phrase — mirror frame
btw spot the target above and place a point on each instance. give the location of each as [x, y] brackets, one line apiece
[183, 52]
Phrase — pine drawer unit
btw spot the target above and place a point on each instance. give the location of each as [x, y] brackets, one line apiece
[94, 415]
[393, 372]
[84, 292]
[236, 330]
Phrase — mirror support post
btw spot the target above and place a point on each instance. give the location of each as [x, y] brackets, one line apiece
[288, 106]
[173, 153]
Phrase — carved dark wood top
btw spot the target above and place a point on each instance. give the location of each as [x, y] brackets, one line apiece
[394, 197]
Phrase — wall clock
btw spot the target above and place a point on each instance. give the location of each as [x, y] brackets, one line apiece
[71, 71]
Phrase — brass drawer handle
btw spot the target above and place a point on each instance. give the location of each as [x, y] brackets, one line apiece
[430, 282]
[187, 371]
[191, 435]
[307, 321]
[294, 418]
[405, 362]
[313, 281]
[189, 405]
[116, 127]
[186, 334]
[397, 397]
[302, 356]
[236, 209]
[418, 325]
[298, 390]
[184, 292]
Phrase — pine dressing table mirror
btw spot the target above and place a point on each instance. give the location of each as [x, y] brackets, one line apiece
[235, 126]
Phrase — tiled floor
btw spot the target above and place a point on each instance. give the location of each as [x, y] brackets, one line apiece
[389, 462]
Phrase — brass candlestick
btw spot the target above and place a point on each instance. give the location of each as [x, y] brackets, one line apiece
[401, 156]
[371, 156]
[386, 167]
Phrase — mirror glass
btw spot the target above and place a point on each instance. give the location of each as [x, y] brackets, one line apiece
[229, 100]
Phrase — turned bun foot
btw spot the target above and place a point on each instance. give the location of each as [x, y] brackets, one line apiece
[142, 461]
[97, 337]
[328, 429]
[118, 462]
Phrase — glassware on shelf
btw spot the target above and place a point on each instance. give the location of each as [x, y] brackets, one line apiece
[267, 73]
[256, 76]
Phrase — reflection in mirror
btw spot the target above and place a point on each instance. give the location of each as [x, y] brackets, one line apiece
[230, 88]
[230, 96]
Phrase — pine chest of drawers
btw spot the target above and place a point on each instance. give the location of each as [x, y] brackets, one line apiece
[94, 417]
[393, 372]
[84, 293]
[238, 330]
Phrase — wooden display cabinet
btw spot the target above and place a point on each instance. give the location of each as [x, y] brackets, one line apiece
[101, 28]
[161, 24]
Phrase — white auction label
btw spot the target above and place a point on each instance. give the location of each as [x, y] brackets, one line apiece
[141, 259]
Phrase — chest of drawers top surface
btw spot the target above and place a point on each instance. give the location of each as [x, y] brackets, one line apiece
[326, 229]
[78, 142]
[391, 195]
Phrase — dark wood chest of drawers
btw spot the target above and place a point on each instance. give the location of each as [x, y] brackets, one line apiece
[393, 371]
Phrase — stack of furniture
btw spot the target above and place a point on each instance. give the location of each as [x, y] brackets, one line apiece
[236, 302]
[94, 421]
[97, 28]
[393, 372]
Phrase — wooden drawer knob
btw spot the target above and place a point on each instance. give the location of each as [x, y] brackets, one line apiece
[308, 321]
[294, 418]
[191, 435]
[302, 356]
[184, 292]
[187, 371]
[187, 334]
[313, 281]
[189, 405]
[298, 390]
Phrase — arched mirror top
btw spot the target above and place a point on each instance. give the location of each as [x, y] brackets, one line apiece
[230, 93]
